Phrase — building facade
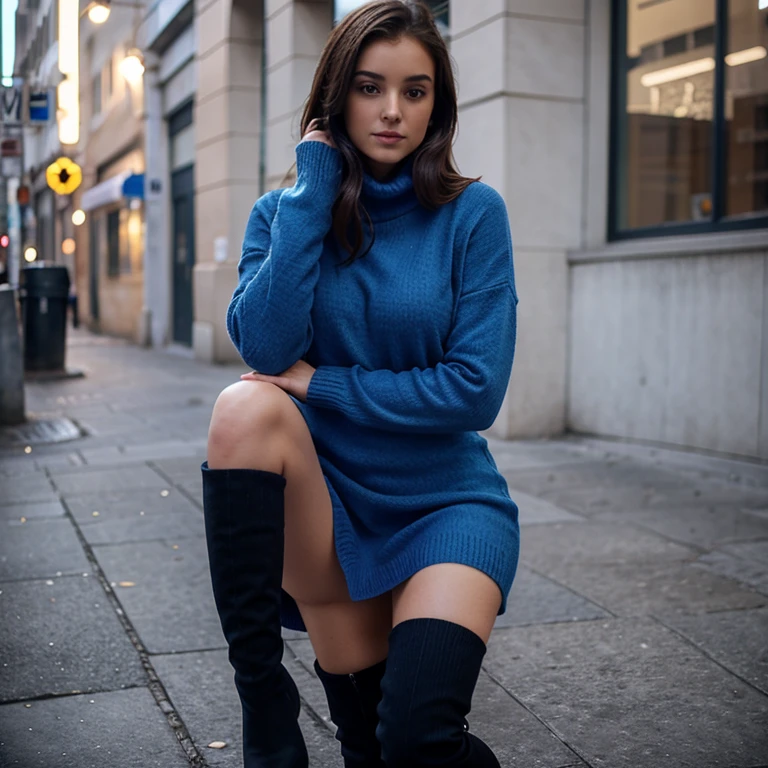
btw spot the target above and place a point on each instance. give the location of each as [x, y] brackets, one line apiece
[629, 139]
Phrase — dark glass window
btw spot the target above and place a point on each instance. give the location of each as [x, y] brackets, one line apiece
[689, 117]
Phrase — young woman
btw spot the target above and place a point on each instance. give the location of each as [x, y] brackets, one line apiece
[377, 307]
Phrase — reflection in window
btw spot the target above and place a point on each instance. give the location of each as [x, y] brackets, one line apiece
[676, 119]
[746, 110]
[669, 111]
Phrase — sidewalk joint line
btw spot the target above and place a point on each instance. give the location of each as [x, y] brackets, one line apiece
[155, 685]
[709, 656]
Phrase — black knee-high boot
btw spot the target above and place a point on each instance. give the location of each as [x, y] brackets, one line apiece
[352, 700]
[244, 523]
[432, 670]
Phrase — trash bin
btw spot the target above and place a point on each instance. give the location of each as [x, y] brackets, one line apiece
[44, 293]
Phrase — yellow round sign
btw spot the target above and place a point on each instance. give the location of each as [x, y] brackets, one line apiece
[63, 176]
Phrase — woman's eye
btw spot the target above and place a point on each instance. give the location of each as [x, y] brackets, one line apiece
[369, 89]
[415, 93]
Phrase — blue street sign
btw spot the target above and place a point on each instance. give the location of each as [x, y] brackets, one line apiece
[38, 107]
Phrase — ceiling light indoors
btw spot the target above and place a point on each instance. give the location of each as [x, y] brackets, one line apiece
[667, 75]
[132, 66]
[98, 11]
[746, 56]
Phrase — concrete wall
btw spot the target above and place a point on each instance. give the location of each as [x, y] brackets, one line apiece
[296, 33]
[521, 98]
[227, 160]
[674, 348]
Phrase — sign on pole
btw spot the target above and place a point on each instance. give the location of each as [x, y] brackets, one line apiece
[11, 99]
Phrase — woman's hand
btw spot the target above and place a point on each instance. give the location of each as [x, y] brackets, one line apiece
[316, 131]
[294, 381]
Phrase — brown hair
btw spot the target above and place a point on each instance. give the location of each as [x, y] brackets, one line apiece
[435, 178]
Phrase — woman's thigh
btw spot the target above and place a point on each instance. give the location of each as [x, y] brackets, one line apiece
[257, 425]
[452, 592]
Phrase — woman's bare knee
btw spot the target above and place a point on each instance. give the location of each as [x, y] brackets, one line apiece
[246, 427]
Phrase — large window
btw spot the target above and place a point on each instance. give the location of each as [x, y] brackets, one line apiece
[690, 116]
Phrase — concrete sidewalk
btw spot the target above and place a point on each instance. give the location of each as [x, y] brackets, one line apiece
[636, 635]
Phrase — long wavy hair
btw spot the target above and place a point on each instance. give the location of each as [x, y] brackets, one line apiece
[436, 180]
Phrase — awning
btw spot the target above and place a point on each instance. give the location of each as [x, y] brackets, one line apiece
[124, 185]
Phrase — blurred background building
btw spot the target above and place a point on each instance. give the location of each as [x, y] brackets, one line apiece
[629, 139]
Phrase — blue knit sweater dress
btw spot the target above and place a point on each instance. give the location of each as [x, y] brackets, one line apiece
[413, 346]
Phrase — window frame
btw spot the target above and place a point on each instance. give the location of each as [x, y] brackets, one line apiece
[618, 86]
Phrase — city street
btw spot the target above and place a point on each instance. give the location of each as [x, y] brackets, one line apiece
[636, 634]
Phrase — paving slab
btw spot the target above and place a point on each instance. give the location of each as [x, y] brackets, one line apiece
[125, 504]
[528, 454]
[124, 729]
[63, 461]
[40, 548]
[183, 472]
[757, 551]
[111, 423]
[201, 688]
[171, 603]
[32, 511]
[590, 543]
[632, 694]
[662, 589]
[13, 467]
[535, 599]
[701, 525]
[736, 639]
[591, 500]
[24, 489]
[621, 474]
[62, 635]
[143, 515]
[517, 736]
[534, 511]
[89, 480]
[630, 572]
[750, 572]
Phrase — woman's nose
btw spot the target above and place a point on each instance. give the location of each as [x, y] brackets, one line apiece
[392, 109]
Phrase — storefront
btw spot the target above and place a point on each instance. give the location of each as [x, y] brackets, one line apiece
[115, 215]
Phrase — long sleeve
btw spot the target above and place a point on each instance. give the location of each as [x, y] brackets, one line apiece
[465, 390]
[268, 318]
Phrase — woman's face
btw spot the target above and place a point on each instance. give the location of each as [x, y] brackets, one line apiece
[390, 102]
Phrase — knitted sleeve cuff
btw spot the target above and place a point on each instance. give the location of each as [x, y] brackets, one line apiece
[318, 167]
[328, 387]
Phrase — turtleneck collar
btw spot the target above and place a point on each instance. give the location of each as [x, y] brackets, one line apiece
[385, 200]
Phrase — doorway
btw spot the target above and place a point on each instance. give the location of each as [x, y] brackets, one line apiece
[182, 155]
[183, 200]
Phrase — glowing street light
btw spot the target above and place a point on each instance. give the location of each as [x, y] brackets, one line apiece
[78, 217]
[98, 11]
[132, 66]
[30, 254]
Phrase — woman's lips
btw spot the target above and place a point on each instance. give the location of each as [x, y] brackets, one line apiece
[388, 138]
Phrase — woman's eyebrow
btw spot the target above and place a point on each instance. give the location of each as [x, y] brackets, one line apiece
[376, 76]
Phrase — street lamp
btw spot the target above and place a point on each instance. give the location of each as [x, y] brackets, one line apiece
[132, 66]
[98, 11]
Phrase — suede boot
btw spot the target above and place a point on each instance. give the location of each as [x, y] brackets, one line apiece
[244, 524]
[352, 700]
[432, 670]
